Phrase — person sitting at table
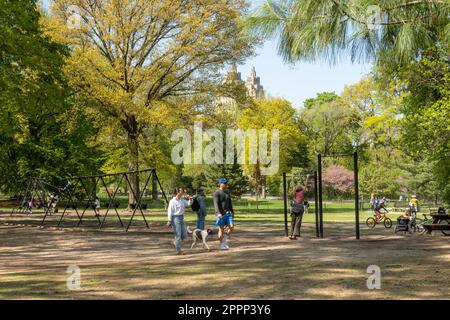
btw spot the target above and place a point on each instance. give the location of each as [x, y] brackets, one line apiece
[407, 215]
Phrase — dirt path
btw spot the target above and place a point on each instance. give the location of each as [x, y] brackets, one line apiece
[261, 265]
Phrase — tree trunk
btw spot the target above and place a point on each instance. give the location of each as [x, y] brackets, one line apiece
[133, 159]
[154, 188]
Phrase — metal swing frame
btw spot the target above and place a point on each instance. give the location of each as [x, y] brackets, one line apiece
[89, 190]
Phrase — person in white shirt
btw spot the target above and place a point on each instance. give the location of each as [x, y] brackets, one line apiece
[175, 217]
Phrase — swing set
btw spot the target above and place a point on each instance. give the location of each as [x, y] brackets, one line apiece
[80, 195]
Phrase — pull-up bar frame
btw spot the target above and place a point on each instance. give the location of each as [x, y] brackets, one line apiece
[316, 211]
[356, 182]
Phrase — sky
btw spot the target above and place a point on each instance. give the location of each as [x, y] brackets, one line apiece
[301, 81]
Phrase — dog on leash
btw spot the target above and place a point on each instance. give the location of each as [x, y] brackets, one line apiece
[200, 235]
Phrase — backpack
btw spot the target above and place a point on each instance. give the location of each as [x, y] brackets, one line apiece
[195, 206]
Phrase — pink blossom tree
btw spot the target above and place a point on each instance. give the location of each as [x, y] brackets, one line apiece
[338, 180]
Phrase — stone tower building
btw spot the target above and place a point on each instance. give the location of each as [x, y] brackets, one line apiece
[253, 85]
[254, 88]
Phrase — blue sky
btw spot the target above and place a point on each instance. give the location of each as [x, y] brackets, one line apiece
[303, 80]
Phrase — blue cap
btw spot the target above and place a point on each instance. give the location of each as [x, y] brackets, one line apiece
[223, 180]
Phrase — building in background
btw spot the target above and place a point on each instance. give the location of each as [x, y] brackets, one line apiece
[253, 86]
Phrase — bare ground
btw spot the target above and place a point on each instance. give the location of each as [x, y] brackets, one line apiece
[262, 264]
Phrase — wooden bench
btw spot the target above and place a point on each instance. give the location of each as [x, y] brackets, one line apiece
[437, 227]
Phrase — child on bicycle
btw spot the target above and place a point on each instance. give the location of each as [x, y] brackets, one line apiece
[377, 209]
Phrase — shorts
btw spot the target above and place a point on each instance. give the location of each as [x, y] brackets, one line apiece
[226, 220]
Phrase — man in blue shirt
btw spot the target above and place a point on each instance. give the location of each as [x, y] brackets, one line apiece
[224, 213]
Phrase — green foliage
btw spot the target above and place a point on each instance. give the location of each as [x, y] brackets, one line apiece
[41, 132]
[391, 32]
[328, 125]
[426, 124]
[321, 98]
[237, 181]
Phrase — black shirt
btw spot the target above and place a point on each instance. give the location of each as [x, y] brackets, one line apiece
[222, 202]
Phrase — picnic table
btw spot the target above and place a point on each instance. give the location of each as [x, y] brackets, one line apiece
[441, 222]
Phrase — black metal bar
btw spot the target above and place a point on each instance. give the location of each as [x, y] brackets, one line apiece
[355, 170]
[316, 205]
[22, 199]
[319, 170]
[68, 194]
[90, 198]
[285, 205]
[160, 185]
[138, 204]
[113, 174]
[47, 207]
[111, 200]
[333, 155]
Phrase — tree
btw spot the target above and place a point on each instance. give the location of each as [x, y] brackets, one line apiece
[328, 125]
[128, 56]
[275, 114]
[321, 98]
[425, 124]
[337, 180]
[393, 32]
[237, 180]
[42, 133]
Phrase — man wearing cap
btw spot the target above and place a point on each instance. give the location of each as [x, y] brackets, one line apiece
[224, 213]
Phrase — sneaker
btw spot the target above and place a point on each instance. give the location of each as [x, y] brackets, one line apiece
[225, 241]
[223, 246]
[180, 253]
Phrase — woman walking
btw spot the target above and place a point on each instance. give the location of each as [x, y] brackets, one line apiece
[175, 217]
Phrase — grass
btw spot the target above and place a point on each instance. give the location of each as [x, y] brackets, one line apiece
[270, 211]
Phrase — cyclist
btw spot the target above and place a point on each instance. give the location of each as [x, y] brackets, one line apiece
[378, 206]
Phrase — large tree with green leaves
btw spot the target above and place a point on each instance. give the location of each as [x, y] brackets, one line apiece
[425, 124]
[131, 56]
[41, 132]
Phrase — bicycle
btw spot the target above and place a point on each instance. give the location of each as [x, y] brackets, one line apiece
[420, 222]
[371, 222]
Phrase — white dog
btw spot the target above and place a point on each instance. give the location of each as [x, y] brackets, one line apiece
[199, 234]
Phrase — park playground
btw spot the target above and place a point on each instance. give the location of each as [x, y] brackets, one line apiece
[262, 264]
[110, 108]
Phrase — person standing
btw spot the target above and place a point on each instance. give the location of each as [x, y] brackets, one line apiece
[224, 213]
[97, 207]
[297, 210]
[201, 213]
[175, 217]
[414, 204]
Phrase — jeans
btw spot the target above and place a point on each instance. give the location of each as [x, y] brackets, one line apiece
[296, 224]
[200, 221]
[180, 230]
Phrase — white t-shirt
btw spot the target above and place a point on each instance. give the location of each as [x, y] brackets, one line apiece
[176, 207]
